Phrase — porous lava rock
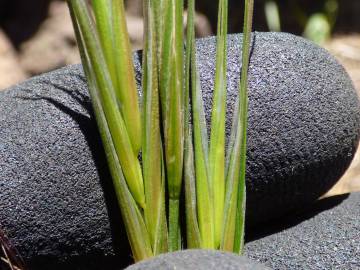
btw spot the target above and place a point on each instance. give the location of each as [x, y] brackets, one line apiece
[56, 200]
[198, 259]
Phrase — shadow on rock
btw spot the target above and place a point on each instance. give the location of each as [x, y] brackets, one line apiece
[119, 240]
[292, 220]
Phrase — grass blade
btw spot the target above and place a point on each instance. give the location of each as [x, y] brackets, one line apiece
[154, 179]
[205, 210]
[243, 121]
[204, 202]
[174, 116]
[192, 226]
[103, 16]
[193, 235]
[111, 25]
[134, 224]
[128, 159]
[217, 138]
[171, 91]
[158, 9]
[232, 191]
[126, 90]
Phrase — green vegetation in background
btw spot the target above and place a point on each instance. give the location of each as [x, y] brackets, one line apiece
[166, 126]
[317, 26]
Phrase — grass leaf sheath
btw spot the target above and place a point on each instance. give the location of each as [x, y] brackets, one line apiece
[243, 121]
[193, 236]
[217, 137]
[152, 156]
[172, 91]
[128, 158]
[134, 223]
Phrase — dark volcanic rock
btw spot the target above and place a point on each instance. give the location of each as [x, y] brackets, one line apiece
[199, 260]
[326, 237]
[56, 201]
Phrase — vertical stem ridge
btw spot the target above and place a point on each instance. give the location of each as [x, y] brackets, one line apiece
[155, 215]
[218, 118]
[192, 226]
[243, 121]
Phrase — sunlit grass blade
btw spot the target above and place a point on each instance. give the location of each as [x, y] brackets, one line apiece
[192, 227]
[232, 191]
[205, 210]
[204, 202]
[161, 234]
[128, 159]
[232, 184]
[217, 137]
[155, 214]
[171, 90]
[134, 224]
[165, 56]
[127, 90]
[103, 16]
[233, 237]
[158, 9]
[111, 25]
[231, 140]
[193, 235]
[243, 121]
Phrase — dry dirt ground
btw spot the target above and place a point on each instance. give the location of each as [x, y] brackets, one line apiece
[346, 49]
[54, 46]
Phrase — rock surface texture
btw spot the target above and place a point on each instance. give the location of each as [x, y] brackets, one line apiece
[199, 260]
[325, 237]
[56, 199]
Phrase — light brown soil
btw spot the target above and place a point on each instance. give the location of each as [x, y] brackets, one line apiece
[346, 49]
[53, 44]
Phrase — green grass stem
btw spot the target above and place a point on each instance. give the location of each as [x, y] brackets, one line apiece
[168, 128]
[192, 226]
[128, 159]
[243, 121]
[127, 89]
[217, 138]
[152, 152]
[134, 223]
[171, 92]
[205, 208]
